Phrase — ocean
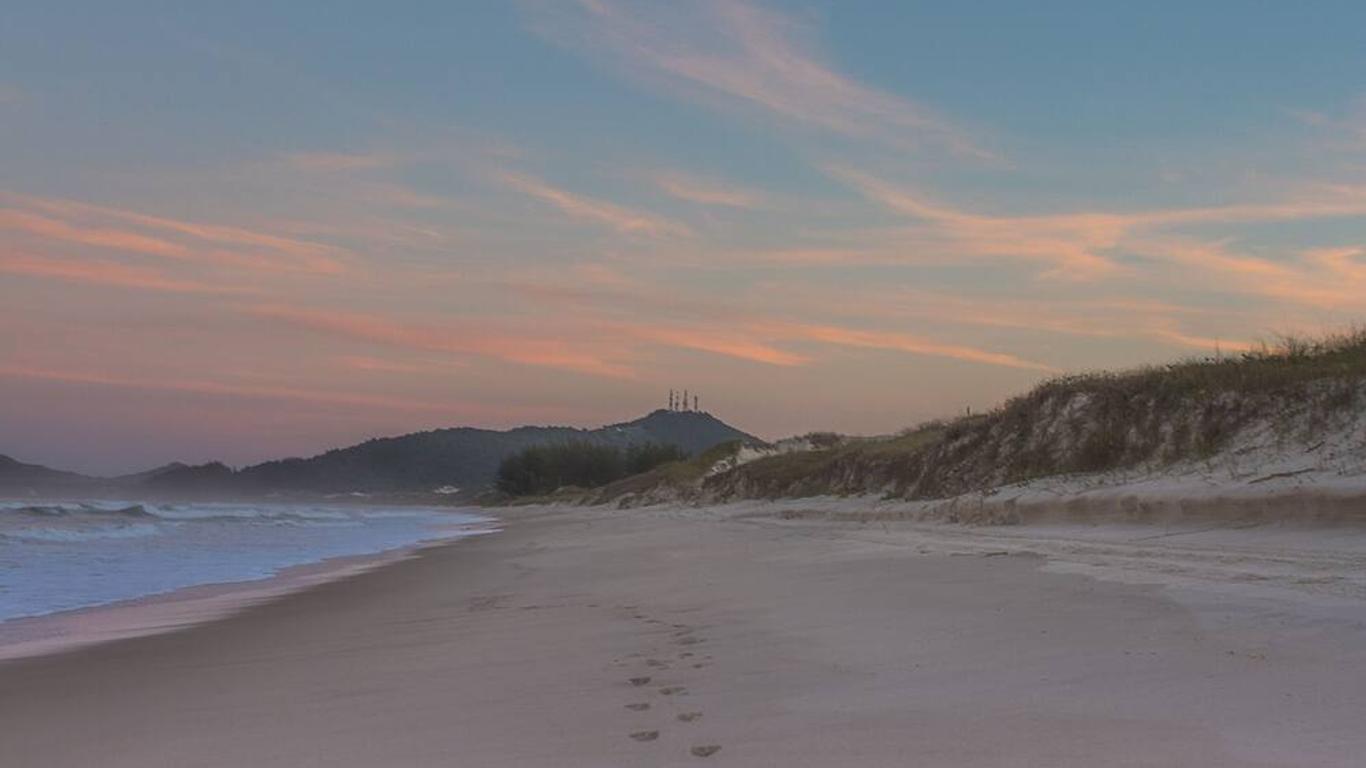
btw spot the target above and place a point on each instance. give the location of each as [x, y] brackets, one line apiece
[65, 556]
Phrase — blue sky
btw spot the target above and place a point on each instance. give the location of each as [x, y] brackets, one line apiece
[241, 230]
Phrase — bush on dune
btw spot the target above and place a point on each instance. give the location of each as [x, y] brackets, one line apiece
[542, 469]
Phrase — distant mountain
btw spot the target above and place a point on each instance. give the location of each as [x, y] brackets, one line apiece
[151, 474]
[18, 477]
[214, 477]
[462, 457]
[468, 458]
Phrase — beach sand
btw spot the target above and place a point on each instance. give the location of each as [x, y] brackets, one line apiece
[669, 636]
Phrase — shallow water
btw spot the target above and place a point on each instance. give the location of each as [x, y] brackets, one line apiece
[69, 555]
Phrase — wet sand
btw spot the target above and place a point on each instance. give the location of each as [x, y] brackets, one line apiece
[723, 637]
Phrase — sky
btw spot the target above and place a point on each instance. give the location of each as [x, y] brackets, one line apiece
[239, 231]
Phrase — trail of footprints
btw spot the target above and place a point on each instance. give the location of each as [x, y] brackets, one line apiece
[664, 672]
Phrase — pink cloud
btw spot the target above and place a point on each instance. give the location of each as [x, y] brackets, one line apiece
[1077, 245]
[525, 349]
[87, 224]
[719, 341]
[903, 342]
[219, 388]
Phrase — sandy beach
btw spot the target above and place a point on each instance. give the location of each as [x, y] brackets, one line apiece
[732, 636]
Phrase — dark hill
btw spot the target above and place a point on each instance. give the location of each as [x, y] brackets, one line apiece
[463, 457]
[16, 476]
[466, 457]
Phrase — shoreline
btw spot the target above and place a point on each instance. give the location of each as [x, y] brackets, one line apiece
[186, 607]
[593, 636]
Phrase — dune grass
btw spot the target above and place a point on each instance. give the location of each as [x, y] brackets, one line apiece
[1154, 414]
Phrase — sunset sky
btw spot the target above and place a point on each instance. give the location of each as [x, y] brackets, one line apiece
[244, 230]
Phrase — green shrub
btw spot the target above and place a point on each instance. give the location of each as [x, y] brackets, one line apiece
[541, 469]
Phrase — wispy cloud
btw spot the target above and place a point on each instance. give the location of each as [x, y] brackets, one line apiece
[747, 54]
[1345, 131]
[1321, 278]
[131, 231]
[1078, 245]
[100, 237]
[1111, 316]
[226, 389]
[755, 332]
[525, 349]
[103, 272]
[704, 191]
[620, 218]
[1074, 245]
[340, 161]
[903, 342]
[721, 341]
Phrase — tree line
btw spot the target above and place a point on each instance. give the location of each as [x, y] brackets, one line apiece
[545, 468]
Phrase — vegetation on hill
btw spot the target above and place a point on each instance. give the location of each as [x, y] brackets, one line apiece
[541, 469]
[469, 458]
[420, 462]
[1097, 422]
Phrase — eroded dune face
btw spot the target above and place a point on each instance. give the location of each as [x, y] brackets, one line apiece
[1157, 435]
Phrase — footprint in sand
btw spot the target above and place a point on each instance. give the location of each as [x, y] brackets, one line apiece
[639, 681]
[656, 663]
[689, 717]
[670, 690]
[705, 751]
[639, 706]
[689, 641]
[645, 735]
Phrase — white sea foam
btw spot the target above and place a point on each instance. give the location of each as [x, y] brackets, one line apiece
[60, 557]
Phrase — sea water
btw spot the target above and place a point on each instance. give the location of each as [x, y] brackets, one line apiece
[64, 556]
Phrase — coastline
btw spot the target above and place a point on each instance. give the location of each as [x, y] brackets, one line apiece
[186, 607]
[592, 636]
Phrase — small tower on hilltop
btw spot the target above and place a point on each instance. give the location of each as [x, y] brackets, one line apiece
[694, 403]
[685, 400]
[671, 399]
